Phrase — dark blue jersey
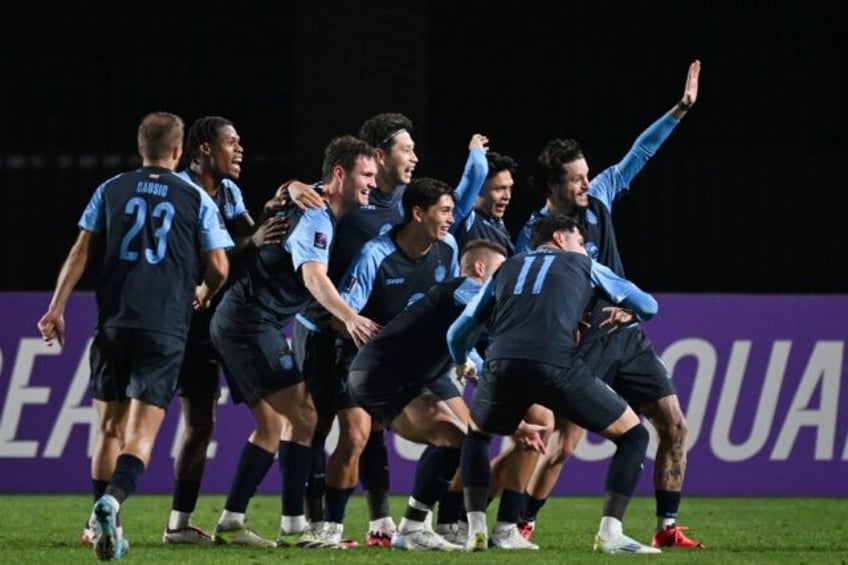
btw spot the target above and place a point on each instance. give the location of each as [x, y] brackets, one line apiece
[383, 280]
[412, 345]
[382, 213]
[155, 224]
[479, 225]
[605, 190]
[273, 284]
[229, 198]
[534, 304]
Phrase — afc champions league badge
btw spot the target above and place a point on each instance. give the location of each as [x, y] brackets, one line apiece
[439, 273]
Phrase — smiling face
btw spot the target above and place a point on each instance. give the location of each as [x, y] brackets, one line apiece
[438, 218]
[496, 194]
[359, 181]
[225, 153]
[398, 162]
[570, 194]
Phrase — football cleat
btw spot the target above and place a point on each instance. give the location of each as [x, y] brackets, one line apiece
[188, 535]
[673, 536]
[622, 544]
[109, 541]
[239, 535]
[510, 538]
[424, 539]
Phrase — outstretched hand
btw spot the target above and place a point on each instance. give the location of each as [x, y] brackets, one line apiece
[528, 436]
[479, 140]
[618, 318]
[466, 371]
[270, 232]
[690, 91]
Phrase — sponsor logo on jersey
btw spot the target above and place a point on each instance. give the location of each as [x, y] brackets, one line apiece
[320, 240]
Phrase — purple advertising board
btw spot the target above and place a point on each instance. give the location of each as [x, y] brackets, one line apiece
[759, 378]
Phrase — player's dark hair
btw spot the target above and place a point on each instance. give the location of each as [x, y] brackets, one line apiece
[381, 130]
[499, 162]
[203, 130]
[343, 151]
[549, 164]
[423, 193]
[158, 134]
[543, 230]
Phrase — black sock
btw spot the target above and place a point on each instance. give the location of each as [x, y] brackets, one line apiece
[336, 504]
[510, 507]
[128, 471]
[450, 507]
[185, 496]
[98, 488]
[476, 472]
[253, 465]
[315, 485]
[434, 473]
[295, 460]
[668, 503]
[374, 475]
[531, 508]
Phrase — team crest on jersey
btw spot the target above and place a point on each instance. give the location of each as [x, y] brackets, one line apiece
[349, 283]
[320, 240]
[439, 273]
[384, 228]
[591, 218]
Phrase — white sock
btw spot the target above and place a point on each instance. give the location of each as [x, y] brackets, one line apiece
[292, 524]
[406, 525]
[663, 523]
[477, 523]
[179, 520]
[610, 528]
[384, 524]
[231, 520]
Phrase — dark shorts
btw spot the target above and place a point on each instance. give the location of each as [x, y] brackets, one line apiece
[511, 386]
[200, 373]
[315, 353]
[132, 363]
[256, 357]
[345, 352]
[384, 394]
[626, 361]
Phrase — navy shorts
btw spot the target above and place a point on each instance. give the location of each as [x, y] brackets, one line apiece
[256, 357]
[626, 361]
[200, 373]
[132, 363]
[315, 353]
[384, 394]
[511, 386]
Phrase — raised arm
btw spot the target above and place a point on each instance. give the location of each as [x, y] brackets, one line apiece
[473, 177]
[616, 179]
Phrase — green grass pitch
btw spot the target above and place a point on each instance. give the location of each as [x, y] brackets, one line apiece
[45, 529]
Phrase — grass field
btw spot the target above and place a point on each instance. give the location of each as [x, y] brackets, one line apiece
[45, 529]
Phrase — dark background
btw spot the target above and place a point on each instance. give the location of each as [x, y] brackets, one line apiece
[743, 197]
